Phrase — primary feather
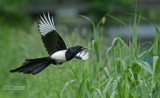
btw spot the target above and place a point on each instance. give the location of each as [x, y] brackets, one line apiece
[82, 55]
[51, 39]
[46, 25]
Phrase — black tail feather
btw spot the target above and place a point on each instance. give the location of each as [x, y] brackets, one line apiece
[33, 66]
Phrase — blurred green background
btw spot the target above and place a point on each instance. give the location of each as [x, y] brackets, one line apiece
[108, 77]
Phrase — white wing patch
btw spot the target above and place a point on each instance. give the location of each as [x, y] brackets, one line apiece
[83, 55]
[46, 25]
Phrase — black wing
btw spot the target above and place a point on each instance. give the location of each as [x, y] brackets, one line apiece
[51, 39]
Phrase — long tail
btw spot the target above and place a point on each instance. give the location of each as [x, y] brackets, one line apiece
[33, 66]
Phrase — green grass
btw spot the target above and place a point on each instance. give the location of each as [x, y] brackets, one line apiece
[114, 69]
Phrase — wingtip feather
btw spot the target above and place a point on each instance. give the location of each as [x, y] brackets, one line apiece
[83, 55]
[46, 25]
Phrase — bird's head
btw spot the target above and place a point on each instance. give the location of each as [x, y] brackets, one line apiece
[76, 49]
[73, 51]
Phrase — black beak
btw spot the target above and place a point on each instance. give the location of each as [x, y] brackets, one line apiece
[83, 48]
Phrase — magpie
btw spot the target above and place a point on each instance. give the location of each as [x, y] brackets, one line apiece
[55, 46]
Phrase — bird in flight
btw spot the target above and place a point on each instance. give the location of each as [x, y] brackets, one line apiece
[55, 46]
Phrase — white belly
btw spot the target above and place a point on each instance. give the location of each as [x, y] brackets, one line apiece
[59, 56]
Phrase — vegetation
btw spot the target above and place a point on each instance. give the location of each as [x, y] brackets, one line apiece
[114, 69]
[96, 8]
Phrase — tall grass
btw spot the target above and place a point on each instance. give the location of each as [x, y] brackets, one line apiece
[117, 70]
[130, 72]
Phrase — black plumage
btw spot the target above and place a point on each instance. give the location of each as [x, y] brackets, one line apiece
[33, 66]
[53, 42]
[56, 48]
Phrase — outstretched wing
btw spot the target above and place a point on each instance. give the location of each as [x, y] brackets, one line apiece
[82, 55]
[51, 39]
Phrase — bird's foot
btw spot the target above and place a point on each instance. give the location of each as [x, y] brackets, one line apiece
[60, 63]
[56, 63]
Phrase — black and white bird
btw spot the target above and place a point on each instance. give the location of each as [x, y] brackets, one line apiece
[56, 48]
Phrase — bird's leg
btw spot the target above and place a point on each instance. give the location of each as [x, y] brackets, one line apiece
[54, 62]
[60, 63]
